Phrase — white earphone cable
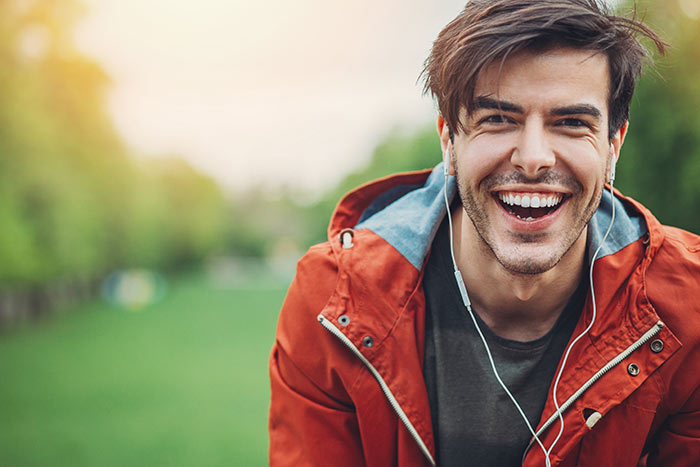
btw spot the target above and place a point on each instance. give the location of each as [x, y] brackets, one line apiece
[467, 303]
[593, 317]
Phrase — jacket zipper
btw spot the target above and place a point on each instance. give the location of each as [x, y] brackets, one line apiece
[609, 366]
[385, 388]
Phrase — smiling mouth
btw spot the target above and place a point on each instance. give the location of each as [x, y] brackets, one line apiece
[530, 206]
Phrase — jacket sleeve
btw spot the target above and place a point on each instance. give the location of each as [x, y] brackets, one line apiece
[678, 442]
[312, 419]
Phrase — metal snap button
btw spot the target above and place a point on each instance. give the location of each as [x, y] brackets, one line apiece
[344, 320]
[367, 341]
[657, 346]
[633, 369]
[346, 237]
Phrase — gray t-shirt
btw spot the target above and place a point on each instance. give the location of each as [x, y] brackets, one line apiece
[474, 421]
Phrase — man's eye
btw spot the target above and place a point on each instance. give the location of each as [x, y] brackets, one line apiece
[495, 119]
[573, 122]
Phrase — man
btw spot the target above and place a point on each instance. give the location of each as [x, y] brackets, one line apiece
[546, 321]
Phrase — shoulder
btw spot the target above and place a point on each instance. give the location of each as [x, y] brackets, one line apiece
[673, 284]
[309, 292]
[683, 239]
[676, 263]
[309, 357]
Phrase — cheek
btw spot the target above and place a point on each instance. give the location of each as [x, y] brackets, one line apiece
[587, 164]
[481, 158]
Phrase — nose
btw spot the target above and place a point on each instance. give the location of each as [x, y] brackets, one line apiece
[533, 152]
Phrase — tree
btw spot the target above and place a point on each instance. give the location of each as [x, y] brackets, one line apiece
[660, 161]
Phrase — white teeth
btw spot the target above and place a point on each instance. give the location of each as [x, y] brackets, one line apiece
[530, 200]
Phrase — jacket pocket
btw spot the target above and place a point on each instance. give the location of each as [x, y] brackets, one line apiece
[618, 438]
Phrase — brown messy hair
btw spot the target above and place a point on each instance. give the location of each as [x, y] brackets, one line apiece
[490, 30]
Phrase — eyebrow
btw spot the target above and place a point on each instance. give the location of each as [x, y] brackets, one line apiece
[483, 102]
[577, 109]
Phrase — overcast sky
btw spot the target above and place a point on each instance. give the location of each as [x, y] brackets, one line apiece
[279, 92]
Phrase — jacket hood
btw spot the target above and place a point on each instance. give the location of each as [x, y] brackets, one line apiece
[417, 199]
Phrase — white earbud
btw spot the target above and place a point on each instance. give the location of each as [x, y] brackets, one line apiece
[611, 171]
[446, 155]
[613, 164]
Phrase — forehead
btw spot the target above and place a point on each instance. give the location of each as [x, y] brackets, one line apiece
[558, 76]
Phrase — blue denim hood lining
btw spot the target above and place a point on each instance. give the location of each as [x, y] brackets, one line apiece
[408, 216]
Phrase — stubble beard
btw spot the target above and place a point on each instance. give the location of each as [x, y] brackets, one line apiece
[513, 258]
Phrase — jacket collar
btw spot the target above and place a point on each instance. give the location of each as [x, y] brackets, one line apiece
[406, 210]
[395, 219]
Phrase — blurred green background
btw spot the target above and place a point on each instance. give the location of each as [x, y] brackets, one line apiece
[138, 299]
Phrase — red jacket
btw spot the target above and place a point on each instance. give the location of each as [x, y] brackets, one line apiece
[346, 368]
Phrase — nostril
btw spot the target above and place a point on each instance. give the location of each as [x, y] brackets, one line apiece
[532, 157]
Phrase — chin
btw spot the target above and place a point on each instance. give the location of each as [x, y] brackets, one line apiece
[528, 266]
[530, 259]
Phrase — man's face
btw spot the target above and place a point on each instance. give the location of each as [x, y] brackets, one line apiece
[533, 161]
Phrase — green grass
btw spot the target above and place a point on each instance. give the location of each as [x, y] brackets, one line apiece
[180, 383]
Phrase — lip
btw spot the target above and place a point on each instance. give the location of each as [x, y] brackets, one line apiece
[538, 225]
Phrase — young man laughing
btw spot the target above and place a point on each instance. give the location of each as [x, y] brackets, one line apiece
[509, 307]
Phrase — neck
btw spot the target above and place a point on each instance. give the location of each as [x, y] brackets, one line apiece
[515, 306]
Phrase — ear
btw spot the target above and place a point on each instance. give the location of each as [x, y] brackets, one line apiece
[445, 144]
[616, 144]
[618, 139]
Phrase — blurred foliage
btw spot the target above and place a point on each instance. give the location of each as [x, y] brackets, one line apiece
[401, 151]
[73, 201]
[660, 161]
[259, 220]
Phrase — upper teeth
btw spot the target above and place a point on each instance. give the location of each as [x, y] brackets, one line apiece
[530, 200]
